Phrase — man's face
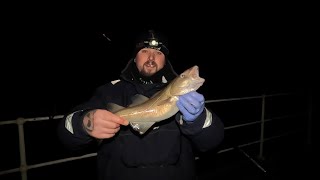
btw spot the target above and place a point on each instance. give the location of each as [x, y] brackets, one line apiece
[149, 61]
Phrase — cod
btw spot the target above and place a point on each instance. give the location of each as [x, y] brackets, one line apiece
[144, 112]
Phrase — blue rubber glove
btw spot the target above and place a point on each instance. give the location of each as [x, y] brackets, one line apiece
[191, 105]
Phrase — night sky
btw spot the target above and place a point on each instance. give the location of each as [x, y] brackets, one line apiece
[51, 61]
[55, 64]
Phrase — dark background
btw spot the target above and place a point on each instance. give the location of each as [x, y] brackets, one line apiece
[53, 60]
[51, 64]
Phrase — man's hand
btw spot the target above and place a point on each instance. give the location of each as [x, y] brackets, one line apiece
[102, 124]
[191, 105]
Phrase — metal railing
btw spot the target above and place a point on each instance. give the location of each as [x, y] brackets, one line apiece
[24, 167]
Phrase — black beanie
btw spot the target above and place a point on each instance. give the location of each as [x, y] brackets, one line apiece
[151, 39]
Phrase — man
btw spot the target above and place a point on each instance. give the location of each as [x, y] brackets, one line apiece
[167, 150]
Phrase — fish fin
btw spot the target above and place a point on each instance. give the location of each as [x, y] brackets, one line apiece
[138, 99]
[141, 127]
[112, 107]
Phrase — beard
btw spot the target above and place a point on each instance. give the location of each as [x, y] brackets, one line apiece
[149, 68]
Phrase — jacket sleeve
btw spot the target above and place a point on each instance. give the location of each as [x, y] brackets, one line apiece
[206, 132]
[70, 129]
[72, 134]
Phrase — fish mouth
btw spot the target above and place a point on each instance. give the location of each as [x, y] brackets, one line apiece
[195, 71]
[197, 84]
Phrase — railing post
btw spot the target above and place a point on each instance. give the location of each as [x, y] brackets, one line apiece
[262, 126]
[23, 161]
[309, 125]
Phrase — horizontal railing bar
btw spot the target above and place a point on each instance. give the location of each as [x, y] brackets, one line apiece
[31, 119]
[232, 99]
[257, 122]
[49, 163]
[61, 160]
[8, 122]
[94, 154]
[256, 142]
[44, 118]
[20, 121]
[208, 101]
[9, 171]
[246, 98]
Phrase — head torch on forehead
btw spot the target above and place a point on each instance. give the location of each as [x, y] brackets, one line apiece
[152, 41]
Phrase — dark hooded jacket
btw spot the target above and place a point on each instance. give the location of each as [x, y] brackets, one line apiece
[166, 151]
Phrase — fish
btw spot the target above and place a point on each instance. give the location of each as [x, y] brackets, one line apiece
[144, 112]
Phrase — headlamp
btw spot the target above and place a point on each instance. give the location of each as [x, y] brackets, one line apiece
[151, 40]
[154, 43]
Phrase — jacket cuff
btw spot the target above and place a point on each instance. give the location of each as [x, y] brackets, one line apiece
[74, 123]
[204, 120]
